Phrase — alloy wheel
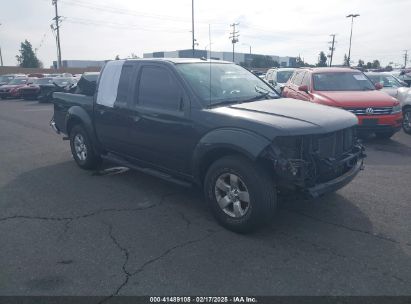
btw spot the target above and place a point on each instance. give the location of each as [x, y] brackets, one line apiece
[232, 195]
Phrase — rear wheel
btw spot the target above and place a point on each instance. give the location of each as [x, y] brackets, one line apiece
[82, 149]
[385, 135]
[406, 125]
[242, 196]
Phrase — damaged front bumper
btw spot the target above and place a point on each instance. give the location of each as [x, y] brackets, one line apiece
[337, 183]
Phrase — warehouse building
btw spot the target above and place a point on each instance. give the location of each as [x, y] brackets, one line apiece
[239, 58]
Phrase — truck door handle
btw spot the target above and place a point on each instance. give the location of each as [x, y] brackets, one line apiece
[101, 111]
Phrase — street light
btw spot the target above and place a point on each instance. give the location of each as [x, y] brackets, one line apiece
[248, 46]
[206, 49]
[1, 56]
[352, 16]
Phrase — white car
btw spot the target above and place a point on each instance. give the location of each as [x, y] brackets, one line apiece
[279, 77]
[392, 86]
[404, 97]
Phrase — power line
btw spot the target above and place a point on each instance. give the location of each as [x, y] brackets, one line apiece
[120, 25]
[234, 36]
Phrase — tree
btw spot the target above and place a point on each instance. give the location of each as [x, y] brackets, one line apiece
[300, 62]
[369, 65]
[117, 57]
[346, 62]
[360, 63]
[134, 56]
[27, 57]
[376, 64]
[322, 60]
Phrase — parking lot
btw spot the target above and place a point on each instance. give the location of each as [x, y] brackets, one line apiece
[64, 231]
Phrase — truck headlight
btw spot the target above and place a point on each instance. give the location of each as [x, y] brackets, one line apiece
[396, 109]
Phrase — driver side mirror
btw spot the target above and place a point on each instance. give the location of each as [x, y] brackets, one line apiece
[378, 86]
[303, 88]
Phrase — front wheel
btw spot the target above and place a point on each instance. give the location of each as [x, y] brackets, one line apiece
[242, 196]
[406, 125]
[82, 149]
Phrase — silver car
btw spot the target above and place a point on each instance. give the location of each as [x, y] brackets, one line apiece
[279, 77]
[394, 87]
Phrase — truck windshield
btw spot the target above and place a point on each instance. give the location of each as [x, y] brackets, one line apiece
[220, 83]
[342, 81]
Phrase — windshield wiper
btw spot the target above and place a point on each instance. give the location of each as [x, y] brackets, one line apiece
[263, 94]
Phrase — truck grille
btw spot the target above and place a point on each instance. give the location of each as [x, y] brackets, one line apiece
[370, 111]
[335, 144]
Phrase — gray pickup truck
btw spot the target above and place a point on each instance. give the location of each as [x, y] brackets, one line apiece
[215, 125]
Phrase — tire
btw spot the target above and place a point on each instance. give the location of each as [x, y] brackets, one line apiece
[406, 126]
[82, 149]
[240, 216]
[385, 135]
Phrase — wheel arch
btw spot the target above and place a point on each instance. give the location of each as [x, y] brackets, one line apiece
[222, 142]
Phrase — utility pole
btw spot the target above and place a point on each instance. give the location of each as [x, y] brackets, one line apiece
[192, 25]
[405, 58]
[57, 19]
[234, 37]
[1, 56]
[352, 16]
[332, 48]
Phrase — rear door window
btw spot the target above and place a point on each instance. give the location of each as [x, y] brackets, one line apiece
[158, 88]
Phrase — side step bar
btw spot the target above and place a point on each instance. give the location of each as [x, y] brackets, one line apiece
[123, 162]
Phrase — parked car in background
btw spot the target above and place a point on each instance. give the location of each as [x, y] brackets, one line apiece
[279, 77]
[403, 75]
[86, 85]
[225, 130]
[12, 89]
[5, 79]
[389, 83]
[404, 97]
[351, 90]
[57, 84]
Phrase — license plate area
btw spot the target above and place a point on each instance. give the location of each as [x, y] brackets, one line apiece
[369, 122]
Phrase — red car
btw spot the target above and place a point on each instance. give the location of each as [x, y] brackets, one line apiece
[12, 89]
[351, 90]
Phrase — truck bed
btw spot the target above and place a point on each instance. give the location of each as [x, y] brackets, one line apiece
[64, 101]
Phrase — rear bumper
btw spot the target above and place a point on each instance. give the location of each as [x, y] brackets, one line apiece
[54, 126]
[337, 183]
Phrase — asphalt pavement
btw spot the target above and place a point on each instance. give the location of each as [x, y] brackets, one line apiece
[65, 231]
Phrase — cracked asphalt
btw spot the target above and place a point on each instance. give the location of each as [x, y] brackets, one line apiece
[65, 231]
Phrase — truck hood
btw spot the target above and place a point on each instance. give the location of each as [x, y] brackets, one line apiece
[357, 99]
[291, 117]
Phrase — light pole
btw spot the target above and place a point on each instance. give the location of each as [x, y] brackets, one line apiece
[352, 16]
[1, 56]
[192, 25]
[246, 44]
[208, 50]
